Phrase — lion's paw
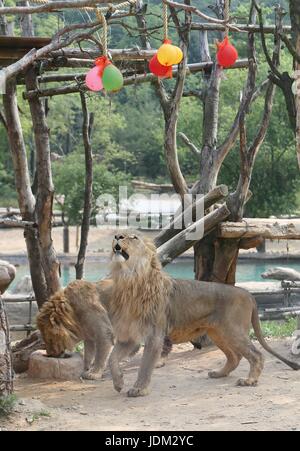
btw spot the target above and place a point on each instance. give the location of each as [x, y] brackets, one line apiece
[136, 392]
[246, 383]
[91, 376]
[160, 364]
[216, 374]
[118, 384]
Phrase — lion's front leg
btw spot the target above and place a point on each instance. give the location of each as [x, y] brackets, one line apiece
[121, 351]
[152, 352]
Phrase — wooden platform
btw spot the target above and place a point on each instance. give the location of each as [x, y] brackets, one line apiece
[14, 48]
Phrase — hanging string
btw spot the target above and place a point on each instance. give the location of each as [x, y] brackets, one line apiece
[165, 20]
[226, 16]
[102, 19]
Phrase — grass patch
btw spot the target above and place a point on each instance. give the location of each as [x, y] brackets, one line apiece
[278, 329]
[80, 347]
[7, 405]
[38, 415]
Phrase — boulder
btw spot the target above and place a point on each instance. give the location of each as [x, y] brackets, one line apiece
[282, 274]
[7, 275]
[24, 286]
[43, 367]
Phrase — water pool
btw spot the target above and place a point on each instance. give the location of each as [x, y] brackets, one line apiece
[248, 271]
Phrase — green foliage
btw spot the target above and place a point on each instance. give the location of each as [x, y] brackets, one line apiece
[69, 180]
[128, 132]
[7, 404]
[278, 329]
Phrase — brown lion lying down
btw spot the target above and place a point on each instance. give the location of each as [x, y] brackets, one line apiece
[146, 305]
[78, 313]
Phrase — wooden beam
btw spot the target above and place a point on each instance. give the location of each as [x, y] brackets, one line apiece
[268, 229]
[152, 186]
[136, 79]
[268, 29]
[173, 229]
[180, 243]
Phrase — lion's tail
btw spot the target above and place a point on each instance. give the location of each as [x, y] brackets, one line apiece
[259, 335]
[58, 315]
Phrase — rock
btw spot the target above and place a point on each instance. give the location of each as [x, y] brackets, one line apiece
[7, 275]
[24, 286]
[43, 367]
[282, 274]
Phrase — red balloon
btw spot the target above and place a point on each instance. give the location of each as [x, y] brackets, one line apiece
[158, 69]
[227, 53]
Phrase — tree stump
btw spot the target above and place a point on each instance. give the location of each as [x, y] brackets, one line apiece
[43, 367]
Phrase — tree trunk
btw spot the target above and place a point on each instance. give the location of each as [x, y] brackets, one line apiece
[295, 20]
[23, 186]
[87, 210]
[6, 370]
[45, 189]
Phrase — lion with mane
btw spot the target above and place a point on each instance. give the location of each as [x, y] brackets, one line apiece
[147, 305]
[79, 313]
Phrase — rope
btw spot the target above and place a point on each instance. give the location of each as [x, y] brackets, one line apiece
[102, 19]
[165, 20]
[227, 16]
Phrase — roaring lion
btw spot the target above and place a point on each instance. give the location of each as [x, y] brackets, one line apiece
[146, 304]
[79, 313]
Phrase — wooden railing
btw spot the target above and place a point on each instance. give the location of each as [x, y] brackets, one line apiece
[13, 298]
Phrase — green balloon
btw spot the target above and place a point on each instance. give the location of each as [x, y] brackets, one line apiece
[112, 78]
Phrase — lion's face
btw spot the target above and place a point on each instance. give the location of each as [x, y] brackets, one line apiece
[129, 251]
[54, 346]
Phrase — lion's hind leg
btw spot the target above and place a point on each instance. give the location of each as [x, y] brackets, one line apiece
[233, 357]
[256, 361]
[89, 354]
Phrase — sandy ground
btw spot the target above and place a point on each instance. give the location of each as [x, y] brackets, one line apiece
[12, 242]
[182, 398]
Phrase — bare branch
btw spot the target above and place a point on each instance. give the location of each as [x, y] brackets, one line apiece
[197, 12]
[189, 144]
[53, 6]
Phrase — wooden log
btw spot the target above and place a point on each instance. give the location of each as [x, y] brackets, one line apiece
[13, 298]
[22, 328]
[281, 274]
[279, 316]
[268, 29]
[180, 243]
[52, 6]
[136, 79]
[152, 186]
[16, 223]
[22, 351]
[217, 194]
[269, 229]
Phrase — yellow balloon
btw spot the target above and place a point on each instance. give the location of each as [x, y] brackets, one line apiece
[169, 54]
[179, 55]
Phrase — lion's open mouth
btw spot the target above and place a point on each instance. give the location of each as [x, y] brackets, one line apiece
[120, 251]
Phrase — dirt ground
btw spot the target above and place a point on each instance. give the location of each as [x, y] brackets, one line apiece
[182, 398]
